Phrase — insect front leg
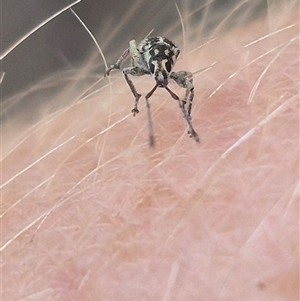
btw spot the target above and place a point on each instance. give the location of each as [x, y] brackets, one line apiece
[185, 80]
[118, 63]
[135, 71]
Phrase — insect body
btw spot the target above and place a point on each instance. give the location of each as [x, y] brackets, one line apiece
[157, 56]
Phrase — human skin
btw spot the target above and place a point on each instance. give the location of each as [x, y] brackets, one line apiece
[90, 212]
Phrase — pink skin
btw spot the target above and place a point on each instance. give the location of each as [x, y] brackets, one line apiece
[183, 221]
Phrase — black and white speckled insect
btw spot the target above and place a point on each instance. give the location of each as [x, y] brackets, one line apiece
[157, 56]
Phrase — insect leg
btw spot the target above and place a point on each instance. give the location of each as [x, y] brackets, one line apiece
[135, 71]
[117, 65]
[191, 132]
[184, 79]
[150, 123]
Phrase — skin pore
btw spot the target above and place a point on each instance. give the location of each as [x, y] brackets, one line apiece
[183, 221]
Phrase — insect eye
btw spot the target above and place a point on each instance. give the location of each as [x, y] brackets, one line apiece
[168, 66]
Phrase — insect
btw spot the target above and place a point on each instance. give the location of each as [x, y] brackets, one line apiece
[157, 56]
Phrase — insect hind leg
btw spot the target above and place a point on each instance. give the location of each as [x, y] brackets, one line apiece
[118, 63]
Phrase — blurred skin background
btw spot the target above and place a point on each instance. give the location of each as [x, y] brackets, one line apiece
[90, 212]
